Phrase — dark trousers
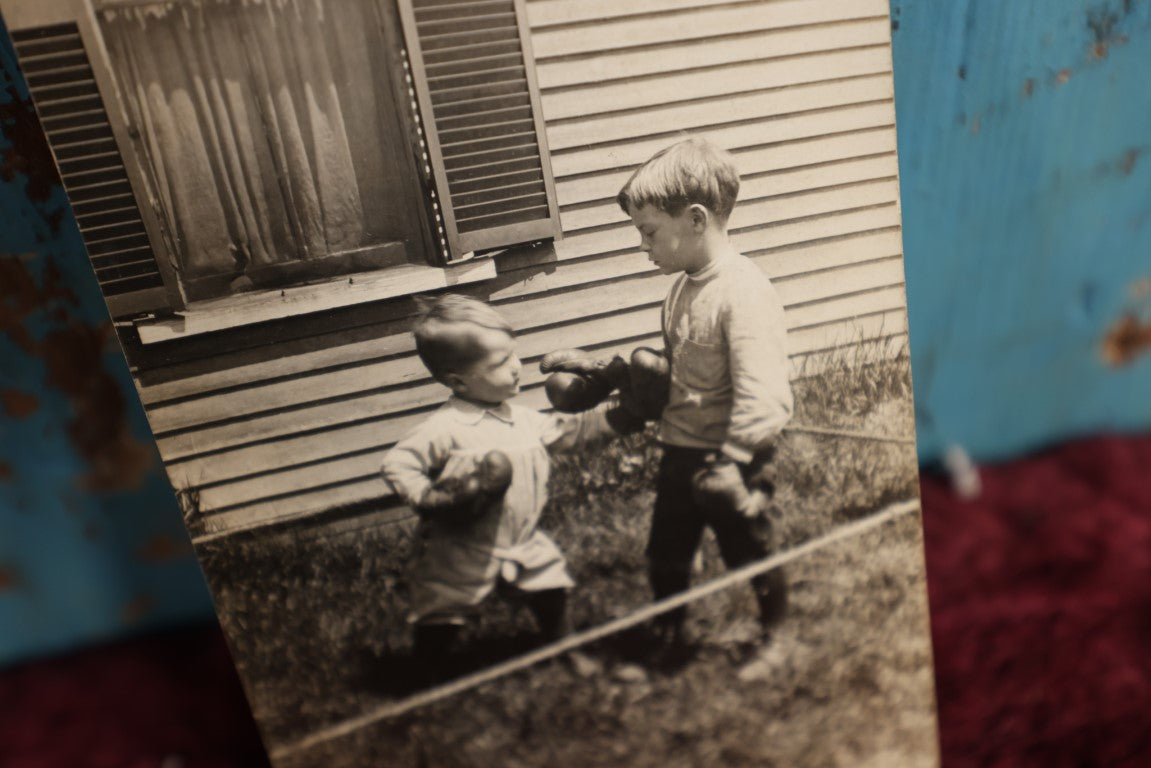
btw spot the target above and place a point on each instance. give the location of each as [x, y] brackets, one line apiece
[677, 528]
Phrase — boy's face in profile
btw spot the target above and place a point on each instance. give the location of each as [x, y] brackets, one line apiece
[672, 243]
[495, 376]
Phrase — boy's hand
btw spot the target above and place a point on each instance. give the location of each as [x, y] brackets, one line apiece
[462, 500]
[579, 382]
[721, 484]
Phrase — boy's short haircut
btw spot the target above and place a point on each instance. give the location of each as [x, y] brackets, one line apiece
[443, 332]
[689, 172]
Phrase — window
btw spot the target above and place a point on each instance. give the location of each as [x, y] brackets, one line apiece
[278, 142]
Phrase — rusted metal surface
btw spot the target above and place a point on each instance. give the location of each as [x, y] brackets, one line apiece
[1026, 193]
[91, 541]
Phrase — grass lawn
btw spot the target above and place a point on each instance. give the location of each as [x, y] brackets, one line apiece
[315, 617]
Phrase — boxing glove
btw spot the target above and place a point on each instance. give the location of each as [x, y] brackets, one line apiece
[720, 485]
[578, 381]
[463, 499]
[645, 391]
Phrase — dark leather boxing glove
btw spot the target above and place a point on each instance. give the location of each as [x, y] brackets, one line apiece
[578, 381]
[463, 499]
[645, 393]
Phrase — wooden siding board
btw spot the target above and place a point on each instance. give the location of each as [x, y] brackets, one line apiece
[798, 184]
[415, 390]
[778, 159]
[767, 133]
[620, 265]
[667, 88]
[767, 232]
[656, 28]
[550, 13]
[711, 52]
[368, 486]
[426, 393]
[290, 475]
[671, 119]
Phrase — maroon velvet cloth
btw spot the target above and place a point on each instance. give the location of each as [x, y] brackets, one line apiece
[170, 700]
[1041, 609]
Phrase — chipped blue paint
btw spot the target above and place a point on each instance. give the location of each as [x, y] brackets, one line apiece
[70, 565]
[1025, 159]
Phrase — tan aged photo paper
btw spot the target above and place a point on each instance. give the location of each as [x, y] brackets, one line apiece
[533, 375]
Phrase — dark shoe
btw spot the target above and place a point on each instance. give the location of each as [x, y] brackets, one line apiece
[771, 594]
[670, 649]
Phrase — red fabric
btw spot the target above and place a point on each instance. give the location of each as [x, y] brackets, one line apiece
[170, 700]
[1041, 609]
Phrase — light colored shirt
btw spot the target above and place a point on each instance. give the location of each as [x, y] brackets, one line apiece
[726, 338]
[460, 565]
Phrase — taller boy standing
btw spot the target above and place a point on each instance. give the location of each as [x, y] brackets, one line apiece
[730, 394]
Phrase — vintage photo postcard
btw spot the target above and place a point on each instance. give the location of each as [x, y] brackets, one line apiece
[533, 375]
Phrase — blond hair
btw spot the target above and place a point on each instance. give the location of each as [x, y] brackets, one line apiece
[693, 171]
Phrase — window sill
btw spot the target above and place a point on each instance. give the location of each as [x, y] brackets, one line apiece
[259, 307]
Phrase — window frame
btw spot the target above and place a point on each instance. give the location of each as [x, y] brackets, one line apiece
[455, 248]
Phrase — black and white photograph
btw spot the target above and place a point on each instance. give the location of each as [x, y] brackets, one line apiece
[532, 375]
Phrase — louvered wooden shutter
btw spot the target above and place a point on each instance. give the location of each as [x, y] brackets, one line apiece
[473, 74]
[63, 86]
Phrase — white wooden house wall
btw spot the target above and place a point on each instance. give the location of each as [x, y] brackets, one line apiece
[800, 90]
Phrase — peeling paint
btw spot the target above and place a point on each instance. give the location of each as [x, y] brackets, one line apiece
[1126, 339]
[17, 404]
[1102, 22]
[9, 578]
[1127, 163]
[73, 353]
[1063, 76]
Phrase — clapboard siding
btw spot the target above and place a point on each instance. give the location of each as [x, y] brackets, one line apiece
[660, 26]
[799, 90]
[714, 82]
[766, 132]
[588, 300]
[706, 113]
[711, 52]
[800, 275]
[776, 159]
[288, 408]
[298, 463]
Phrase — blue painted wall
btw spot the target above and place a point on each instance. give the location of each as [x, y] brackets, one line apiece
[91, 541]
[1025, 156]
